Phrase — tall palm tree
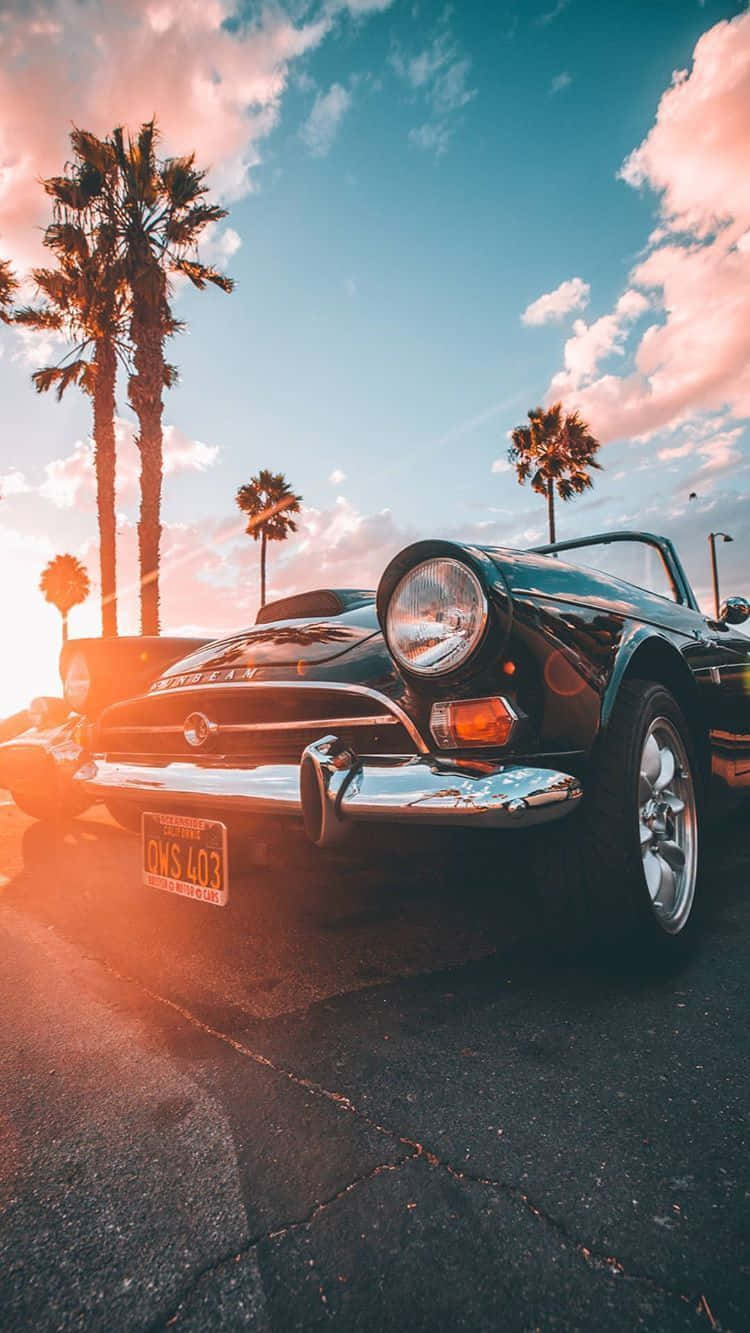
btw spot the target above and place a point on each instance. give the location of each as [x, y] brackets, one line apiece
[556, 451]
[159, 213]
[150, 214]
[269, 502]
[65, 583]
[85, 298]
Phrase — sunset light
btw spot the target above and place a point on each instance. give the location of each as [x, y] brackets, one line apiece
[375, 671]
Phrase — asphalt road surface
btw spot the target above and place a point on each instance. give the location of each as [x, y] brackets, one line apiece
[362, 1095]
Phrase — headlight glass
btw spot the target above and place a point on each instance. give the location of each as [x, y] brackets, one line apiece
[77, 683]
[436, 616]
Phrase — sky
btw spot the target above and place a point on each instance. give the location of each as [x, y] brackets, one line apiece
[439, 216]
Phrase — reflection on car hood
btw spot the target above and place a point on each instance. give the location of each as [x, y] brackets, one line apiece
[283, 643]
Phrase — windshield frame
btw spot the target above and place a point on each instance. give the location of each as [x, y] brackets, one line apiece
[683, 593]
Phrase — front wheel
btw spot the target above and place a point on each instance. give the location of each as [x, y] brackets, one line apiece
[625, 870]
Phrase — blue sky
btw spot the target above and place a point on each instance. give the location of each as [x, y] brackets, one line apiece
[424, 173]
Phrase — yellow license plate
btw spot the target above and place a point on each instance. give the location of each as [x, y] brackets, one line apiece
[186, 856]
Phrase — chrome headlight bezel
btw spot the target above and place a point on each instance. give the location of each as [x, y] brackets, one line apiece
[453, 659]
[77, 683]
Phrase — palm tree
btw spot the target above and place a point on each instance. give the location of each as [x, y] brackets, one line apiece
[556, 451]
[8, 287]
[269, 501]
[85, 298]
[159, 212]
[65, 583]
[149, 216]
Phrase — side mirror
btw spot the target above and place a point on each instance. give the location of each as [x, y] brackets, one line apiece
[734, 611]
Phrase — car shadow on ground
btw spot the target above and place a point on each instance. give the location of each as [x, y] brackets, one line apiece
[303, 925]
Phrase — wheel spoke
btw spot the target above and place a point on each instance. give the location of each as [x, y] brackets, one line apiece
[646, 835]
[673, 855]
[675, 804]
[666, 769]
[667, 890]
[651, 761]
[652, 870]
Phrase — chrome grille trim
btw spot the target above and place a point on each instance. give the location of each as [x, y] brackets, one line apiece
[329, 686]
[377, 720]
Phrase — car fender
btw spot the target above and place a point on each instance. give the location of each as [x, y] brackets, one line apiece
[654, 655]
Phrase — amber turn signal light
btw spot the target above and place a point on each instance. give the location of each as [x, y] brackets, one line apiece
[472, 722]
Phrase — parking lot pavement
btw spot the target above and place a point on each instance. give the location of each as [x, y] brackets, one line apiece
[361, 1094]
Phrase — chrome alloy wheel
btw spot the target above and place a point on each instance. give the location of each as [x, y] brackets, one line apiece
[668, 820]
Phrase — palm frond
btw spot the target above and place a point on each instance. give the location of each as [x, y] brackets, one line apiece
[202, 274]
[8, 288]
[67, 192]
[68, 239]
[45, 379]
[93, 152]
[183, 229]
[42, 318]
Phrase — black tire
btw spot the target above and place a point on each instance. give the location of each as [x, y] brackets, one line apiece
[127, 815]
[590, 879]
[50, 808]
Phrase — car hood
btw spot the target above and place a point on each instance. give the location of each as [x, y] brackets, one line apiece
[283, 643]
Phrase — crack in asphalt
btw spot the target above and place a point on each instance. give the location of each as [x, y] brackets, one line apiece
[596, 1261]
[276, 1233]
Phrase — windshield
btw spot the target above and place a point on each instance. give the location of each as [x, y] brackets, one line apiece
[636, 562]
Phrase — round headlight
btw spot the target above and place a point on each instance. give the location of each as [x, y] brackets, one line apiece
[436, 616]
[77, 683]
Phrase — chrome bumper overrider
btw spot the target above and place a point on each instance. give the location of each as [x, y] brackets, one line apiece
[332, 788]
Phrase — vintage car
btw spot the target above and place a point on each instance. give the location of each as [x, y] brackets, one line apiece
[577, 685]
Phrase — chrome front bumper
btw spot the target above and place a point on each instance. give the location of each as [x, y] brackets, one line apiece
[332, 788]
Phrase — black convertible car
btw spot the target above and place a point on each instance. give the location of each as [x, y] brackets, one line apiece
[577, 683]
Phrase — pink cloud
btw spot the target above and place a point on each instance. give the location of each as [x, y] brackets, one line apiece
[695, 155]
[573, 294]
[102, 64]
[70, 480]
[697, 358]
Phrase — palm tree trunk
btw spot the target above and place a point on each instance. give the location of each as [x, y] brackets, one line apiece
[64, 615]
[145, 397]
[263, 567]
[104, 465]
[551, 509]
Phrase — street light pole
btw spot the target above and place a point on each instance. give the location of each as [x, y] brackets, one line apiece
[714, 568]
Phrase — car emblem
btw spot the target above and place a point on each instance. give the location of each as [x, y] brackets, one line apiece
[198, 729]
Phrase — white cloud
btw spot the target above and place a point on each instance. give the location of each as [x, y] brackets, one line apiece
[592, 343]
[501, 465]
[431, 135]
[337, 477]
[543, 20]
[13, 483]
[70, 480]
[219, 246]
[321, 126]
[573, 294]
[560, 82]
[439, 76]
